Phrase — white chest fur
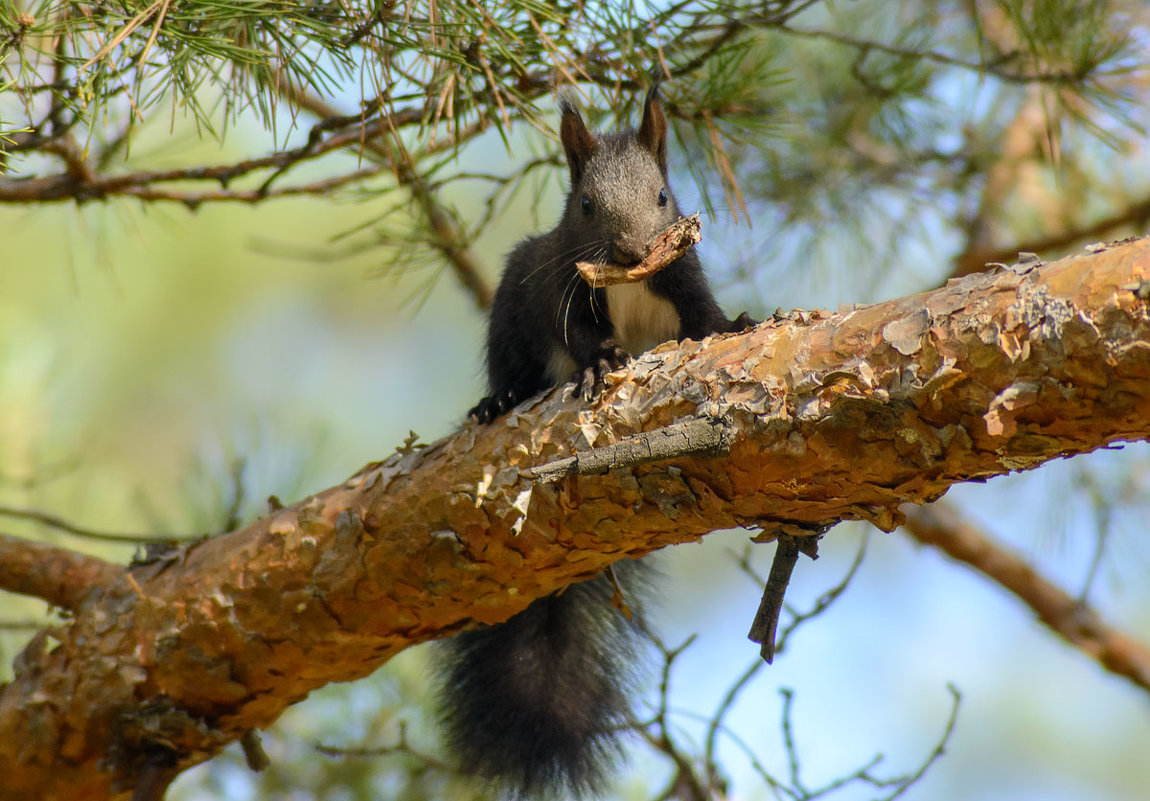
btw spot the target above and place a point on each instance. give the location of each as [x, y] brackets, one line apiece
[641, 318]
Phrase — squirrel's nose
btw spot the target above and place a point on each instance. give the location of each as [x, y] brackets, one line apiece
[627, 251]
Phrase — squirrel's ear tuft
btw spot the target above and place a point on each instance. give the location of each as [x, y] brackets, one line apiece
[653, 130]
[578, 143]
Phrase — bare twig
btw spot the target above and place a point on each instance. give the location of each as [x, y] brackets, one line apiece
[701, 435]
[716, 723]
[401, 747]
[60, 524]
[766, 622]
[684, 783]
[865, 774]
[255, 756]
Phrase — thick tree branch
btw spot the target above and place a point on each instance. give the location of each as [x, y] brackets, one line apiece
[944, 528]
[834, 416]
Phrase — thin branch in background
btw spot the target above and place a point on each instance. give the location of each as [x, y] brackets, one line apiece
[401, 747]
[716, 723]
[447, 238]
[405, 764]
[63, 526]
[786, 727]
[941, 526]
[999, 67]
[864, 775]
[685, 782]
[1131, 218]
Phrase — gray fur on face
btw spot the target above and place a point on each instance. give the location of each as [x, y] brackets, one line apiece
[623, 181]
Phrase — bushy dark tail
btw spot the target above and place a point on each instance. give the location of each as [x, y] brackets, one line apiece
[535, 705]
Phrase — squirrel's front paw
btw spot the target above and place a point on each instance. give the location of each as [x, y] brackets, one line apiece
[589, 380]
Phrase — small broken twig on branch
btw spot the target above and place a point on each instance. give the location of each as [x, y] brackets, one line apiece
[682, 234]
[254, 753]
[699, 435]
[766, 622]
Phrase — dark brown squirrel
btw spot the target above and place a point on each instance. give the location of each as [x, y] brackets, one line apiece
[546, 323]
[536, 705]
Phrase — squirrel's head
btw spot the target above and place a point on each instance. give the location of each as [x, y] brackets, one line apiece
[619, 190]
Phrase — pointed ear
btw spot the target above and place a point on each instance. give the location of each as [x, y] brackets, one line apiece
[578, 143]
[653, 130]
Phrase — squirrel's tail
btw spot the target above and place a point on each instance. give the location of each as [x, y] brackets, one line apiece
[536, 705]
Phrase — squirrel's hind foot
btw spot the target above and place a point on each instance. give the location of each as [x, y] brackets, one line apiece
[493, 406]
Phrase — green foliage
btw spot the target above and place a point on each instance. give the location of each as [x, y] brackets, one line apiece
[1074, 38]
[795, 111]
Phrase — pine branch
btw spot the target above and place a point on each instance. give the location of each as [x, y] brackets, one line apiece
[1003, 67]
[835, 416]
[446, 237]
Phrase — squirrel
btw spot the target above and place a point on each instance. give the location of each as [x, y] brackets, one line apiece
[536, 705]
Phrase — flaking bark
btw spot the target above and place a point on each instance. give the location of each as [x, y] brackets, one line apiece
[835, 416]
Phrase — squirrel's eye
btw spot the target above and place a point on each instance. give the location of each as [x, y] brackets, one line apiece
[586, 203]
[662, 197]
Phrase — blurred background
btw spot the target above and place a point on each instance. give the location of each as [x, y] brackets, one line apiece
[165, 368]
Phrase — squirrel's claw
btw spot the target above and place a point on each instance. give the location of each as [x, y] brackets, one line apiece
[493, 406]
[590, 379]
